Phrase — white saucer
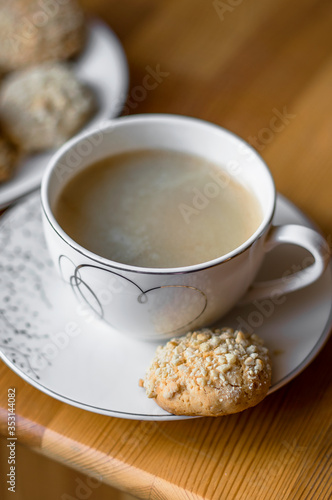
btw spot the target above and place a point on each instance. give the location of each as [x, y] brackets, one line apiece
[103, 66]
[48, 339]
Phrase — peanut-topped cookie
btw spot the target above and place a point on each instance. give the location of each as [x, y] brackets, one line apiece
[209, 373]
[32, 31]
[43, 106]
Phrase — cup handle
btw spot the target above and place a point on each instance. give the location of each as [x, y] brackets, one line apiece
[296, 235]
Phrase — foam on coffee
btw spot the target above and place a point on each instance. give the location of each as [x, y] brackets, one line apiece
[157, 208]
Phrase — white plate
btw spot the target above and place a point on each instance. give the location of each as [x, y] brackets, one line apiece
[103, 66]
[47, 338]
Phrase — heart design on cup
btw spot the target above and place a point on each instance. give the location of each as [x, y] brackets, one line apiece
[127, 306]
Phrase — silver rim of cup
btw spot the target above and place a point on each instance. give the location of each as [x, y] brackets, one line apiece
[151, 118]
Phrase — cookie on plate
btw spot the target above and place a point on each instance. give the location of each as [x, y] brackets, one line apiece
[8, 158]
[43, 106]
[32, 31]
[209, 373]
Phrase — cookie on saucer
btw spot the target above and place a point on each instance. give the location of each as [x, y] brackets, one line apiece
[32, 32]
[43, 106]
[209, 373]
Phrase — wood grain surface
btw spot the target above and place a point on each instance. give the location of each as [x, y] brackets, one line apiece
[41, 478]
[239, 64]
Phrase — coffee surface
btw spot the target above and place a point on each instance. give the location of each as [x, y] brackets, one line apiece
[157, 209]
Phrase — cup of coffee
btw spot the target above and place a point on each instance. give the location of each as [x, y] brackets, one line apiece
[160, 223]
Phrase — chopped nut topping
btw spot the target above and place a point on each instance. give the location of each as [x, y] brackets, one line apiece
[201, 381]
[170, 389]
[202, 337]
[259, 365]
[204, 347]
[231, 358]
[222, 357]
[239, 338]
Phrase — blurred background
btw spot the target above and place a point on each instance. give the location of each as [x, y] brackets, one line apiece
[260, 69]
[236, 63]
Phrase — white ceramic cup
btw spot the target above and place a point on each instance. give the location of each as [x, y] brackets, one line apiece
[150, 303]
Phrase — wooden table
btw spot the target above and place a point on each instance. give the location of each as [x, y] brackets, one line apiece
[237, 63]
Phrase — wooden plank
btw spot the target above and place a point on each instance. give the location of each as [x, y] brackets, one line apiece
[263, 60]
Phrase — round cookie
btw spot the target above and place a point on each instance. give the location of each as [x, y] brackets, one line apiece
[34, 31]
[209, 373]
[43, 106]
[8, 157]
